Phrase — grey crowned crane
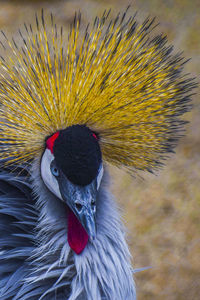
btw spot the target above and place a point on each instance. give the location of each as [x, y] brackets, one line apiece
[70, 105]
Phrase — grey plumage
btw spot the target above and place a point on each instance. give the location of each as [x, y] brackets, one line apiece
[119, 102]
[36, 262]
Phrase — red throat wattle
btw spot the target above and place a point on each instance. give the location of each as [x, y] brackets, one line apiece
[77, 236]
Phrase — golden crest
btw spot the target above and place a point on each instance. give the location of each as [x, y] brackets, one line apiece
[118, 80]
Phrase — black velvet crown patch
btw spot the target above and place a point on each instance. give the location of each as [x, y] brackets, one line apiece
[77, 154]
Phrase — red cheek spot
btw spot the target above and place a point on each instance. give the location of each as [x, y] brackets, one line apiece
[50, 141]
[94, 135]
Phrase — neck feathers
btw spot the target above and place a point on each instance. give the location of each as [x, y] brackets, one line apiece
[101, 271]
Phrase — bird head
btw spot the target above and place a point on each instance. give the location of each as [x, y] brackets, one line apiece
[114, 90]
[71, 168]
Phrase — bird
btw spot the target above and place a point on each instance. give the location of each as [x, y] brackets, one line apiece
[73, 103]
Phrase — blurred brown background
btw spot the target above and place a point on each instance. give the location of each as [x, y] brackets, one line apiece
[162, 212]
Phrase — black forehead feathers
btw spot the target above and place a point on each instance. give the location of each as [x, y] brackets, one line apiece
[77, 154]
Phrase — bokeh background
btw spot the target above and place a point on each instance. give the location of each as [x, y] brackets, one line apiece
[162, 212]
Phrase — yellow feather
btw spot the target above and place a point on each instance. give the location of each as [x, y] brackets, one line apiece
[120, 82]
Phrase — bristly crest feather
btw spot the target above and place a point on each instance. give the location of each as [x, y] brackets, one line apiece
[116, 79]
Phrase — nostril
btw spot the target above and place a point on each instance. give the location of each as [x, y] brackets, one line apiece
[93, 205]
[78, 207]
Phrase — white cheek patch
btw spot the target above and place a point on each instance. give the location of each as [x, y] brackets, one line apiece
[48, 178]
[99, 177]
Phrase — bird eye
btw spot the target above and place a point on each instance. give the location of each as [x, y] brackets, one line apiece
[54, 169]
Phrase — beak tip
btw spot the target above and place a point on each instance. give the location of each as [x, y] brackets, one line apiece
[92, 232]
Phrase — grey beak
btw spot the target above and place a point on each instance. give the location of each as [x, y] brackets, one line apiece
[82, 201]
[87, 218]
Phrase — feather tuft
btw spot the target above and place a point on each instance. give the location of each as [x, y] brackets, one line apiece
[125, 85]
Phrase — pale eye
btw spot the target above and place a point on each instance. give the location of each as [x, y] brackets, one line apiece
[54, 169]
